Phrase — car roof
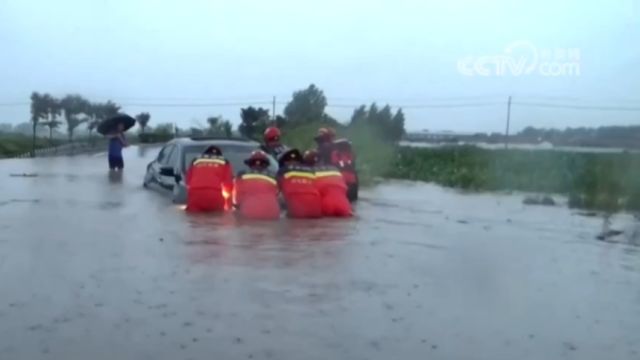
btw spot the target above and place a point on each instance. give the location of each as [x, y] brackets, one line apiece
[213, 140]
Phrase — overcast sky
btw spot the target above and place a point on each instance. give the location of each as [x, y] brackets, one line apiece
[405, 53]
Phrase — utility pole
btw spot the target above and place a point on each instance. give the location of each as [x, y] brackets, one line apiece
[273, 114]
[506, 134]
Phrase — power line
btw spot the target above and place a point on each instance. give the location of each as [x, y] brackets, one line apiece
[196, 104]
[425, 105]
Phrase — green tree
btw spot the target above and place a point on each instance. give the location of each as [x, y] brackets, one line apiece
[397, 122]
[53, 111]
[38, 111]
[372, 114]
[143, 120]
[227, 128]
[388, 126]
[214, 123]
[164, 129]
[306, 106]
[110, 109]
[254, 121]
[73, 106]
[280, 121]
[359, 116]
[94, 112]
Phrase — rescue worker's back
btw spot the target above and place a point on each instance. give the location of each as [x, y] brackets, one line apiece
[208, 177]
[256, 190]
[331, 186]
[297, 183]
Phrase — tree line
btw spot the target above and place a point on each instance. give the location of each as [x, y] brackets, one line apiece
[75, 110]
[309, 106]
[306, 106]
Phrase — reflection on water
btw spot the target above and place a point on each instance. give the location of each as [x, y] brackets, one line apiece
[115, 177]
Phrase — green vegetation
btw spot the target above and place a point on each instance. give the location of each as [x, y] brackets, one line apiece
[16, 144]
[602, 181]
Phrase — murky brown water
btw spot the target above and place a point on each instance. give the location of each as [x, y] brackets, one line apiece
[95, 267]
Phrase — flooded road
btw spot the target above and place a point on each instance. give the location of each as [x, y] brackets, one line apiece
[95, 267]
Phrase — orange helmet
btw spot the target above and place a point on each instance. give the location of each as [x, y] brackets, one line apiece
[325, 134]
[272, 133]
[257, 157]
[310, 157]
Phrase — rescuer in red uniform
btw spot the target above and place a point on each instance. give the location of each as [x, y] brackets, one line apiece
[338, 153]
[324, 139]
[209, 182]
[256, 190]
[297, 183]
[272, 145]
[331, 186]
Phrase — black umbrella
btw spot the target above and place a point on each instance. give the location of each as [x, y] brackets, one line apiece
[110, 126]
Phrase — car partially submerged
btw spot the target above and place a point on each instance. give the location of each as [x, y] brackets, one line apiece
[167, 172]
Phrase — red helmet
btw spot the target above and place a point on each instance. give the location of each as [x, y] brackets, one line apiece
[272, 133]
[310, 157]
[325, 134]
[257, 157]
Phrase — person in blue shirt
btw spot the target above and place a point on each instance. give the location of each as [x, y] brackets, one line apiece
[116, 143]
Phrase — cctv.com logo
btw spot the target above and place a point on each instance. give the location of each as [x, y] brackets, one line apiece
[522, 58]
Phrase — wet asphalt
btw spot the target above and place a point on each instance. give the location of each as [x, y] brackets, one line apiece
[93, 266]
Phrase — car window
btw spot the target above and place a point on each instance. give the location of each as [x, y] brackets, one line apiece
[236, 154]
[165, 154]
[172, 159]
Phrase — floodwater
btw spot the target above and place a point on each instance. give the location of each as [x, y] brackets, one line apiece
[93, 266]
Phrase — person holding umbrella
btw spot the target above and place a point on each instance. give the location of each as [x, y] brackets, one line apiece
[114, 128]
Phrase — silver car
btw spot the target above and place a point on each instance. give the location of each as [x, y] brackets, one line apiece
[167, 172]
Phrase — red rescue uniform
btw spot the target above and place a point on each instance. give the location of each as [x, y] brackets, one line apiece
[256, 195]
[301, 195]
[209, 184]
[333, 191]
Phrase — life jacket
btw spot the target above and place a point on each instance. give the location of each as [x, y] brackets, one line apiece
[212, 172]
[343, 158]
[256, 195]
[297, 179]
[254, 183]
[329, 177]
[333, 192]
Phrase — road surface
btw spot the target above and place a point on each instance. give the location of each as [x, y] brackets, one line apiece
[95, 267]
